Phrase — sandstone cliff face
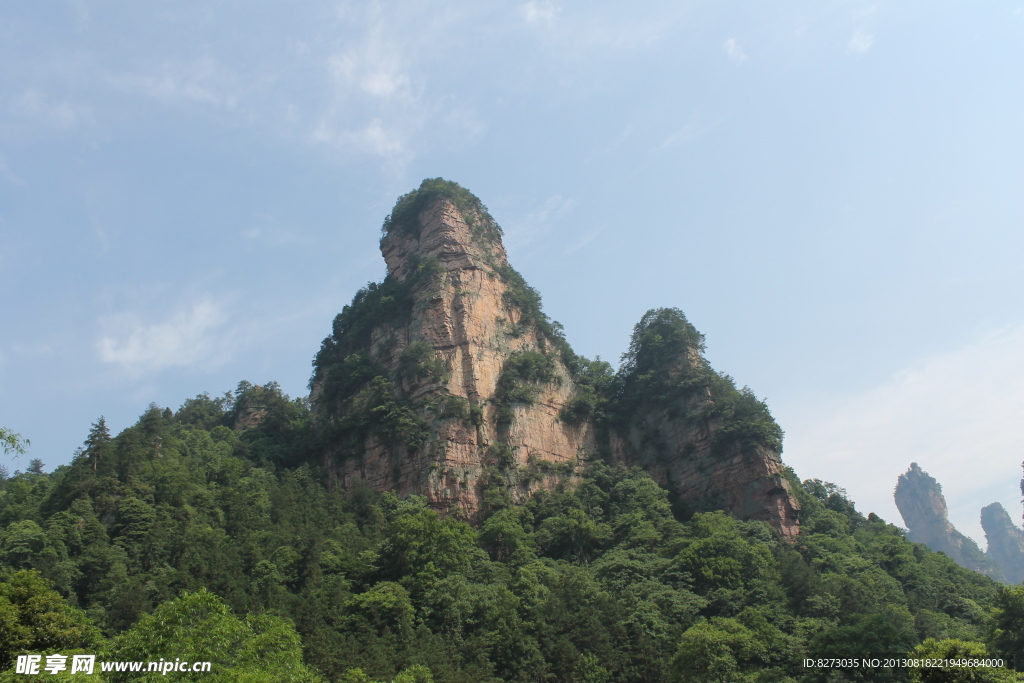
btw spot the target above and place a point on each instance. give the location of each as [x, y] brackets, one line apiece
[480, 414]
[923, 507]
[680, 437]
[462, 313]
[1005, 541]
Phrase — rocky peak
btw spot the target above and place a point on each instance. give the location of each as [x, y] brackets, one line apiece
[923, 507]
[446, 233]
[921, 503]
[447, 380]
[1005, 541]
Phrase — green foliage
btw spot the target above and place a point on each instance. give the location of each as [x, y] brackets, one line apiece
[275, 429]
[343, 363]
[504, 537]
[200, 627]
[1007, 627]
[420, 547]
[404, 217]
[520, 380]
[665, 372]
[662, 337]
[454, 407]
[951, 649]
[175, 530]
[35, 619]
[377, 408]
[519, 294]
[419, 362]
[204, 412]
[595, 382]
[717, 651]
[726, 558]
[11, 442]
[414, 674]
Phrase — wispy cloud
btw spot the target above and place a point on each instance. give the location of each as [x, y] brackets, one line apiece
[62, 114]
[734, 51]
[540, 12]
[192, 337]
[960, 414]
[584, 241]
[374, 66]
[539, 221]
[202, 81]
[861, 41]
[695, 128]
[376, 138]
[375, 106]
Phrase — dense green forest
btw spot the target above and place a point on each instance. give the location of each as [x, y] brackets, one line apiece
[206, 535]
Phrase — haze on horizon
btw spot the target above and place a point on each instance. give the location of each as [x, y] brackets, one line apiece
[832, 192]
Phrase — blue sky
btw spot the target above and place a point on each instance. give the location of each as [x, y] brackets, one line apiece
[831, 191]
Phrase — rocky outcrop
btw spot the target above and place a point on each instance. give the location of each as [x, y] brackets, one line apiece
[447, 381]
[1005, 541]
[923, 507]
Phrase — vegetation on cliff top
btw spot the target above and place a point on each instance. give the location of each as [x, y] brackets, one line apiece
[404, 217]
[664, 372]
[216, 531]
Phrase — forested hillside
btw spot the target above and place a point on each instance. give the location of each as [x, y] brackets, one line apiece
[205, 533]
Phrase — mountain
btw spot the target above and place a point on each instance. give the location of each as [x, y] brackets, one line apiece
[1005, 541]
[923, 507]
[550, 519]
[448, 381]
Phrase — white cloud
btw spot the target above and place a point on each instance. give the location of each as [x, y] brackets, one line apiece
[538, 222]
[861, 42]
[375, 105]
[203, 81]
[695, 128]
[191, 337]
[587, 239]
[375, 67]
[540, 13]
[61, 115]
[959, 414]
[374, 138]
[734, 51]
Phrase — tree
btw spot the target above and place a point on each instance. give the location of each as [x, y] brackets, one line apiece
[35, 619]
[1008, 626]
[414, 674]
[98, 443]
[956, 649]
[199, 627]
[12, 442]
[715, 652]
[420, 547]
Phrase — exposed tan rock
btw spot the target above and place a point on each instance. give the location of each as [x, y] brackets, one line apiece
[463, 314]
[748, 482]
[464, 318]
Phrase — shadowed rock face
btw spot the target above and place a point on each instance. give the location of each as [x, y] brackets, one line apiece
[470, 316]
[923, 507]
[1005, 541]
